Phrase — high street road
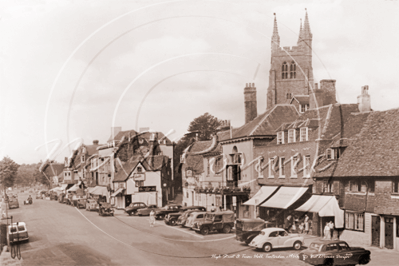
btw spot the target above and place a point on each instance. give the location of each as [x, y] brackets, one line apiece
[64, 235]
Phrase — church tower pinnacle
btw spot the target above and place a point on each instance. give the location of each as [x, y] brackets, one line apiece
[275, 36]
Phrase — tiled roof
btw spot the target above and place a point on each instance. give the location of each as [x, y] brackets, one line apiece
[195, 162]
[146, 136]
[54, 169]
[375, 150]
[264, 124]
[301, 99]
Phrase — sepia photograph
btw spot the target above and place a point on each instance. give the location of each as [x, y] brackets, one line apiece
[199, 132]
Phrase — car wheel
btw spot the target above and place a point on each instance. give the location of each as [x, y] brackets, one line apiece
[204, 230]
[364, 259]
[226, 229]
[267, 247]
[329, 262]
[173, 222]
[298, 245]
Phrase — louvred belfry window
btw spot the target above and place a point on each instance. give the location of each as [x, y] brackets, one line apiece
[293, 70]
[284, 71]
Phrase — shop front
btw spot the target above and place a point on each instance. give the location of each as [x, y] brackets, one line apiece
[264, 193]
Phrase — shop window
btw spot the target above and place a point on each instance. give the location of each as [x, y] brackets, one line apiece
[271, 164]
[354, 221]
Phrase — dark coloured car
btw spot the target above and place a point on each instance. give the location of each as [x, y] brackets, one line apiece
[215, 222]
[170, 208]
[13, 203]
[248, 229]
[334, 252]
[146, 211]
[172, 218]
[134, 206]
[106, 209]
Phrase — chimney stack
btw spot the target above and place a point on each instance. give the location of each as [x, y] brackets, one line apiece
[95, 142]
[251, 109]
[363, 100]
[327, 86]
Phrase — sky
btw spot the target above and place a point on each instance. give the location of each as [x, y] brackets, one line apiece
[71, 70]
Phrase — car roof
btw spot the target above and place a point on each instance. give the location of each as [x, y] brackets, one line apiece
[20, 223]
[193, 207]
[324, 242]
[272, 229]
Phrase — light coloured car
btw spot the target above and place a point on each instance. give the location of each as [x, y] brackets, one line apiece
[195, 217]
[273, 237]
[17, 232]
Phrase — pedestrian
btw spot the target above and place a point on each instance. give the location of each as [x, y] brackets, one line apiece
[301, 225]
[331, 225]
[152, 218]
[213, 208]
[306, 221]
[327, 234]
[287, 223]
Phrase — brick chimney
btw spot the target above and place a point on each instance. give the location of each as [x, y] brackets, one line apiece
[95, 142]
[327, 86]
[251, 109]
[316, 97]
[363, 100]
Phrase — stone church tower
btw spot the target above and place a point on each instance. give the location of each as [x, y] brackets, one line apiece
[291, 71]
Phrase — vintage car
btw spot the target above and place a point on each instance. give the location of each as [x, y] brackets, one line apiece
[170, 208]
[92, 205]
[215, 222]
[61, 198]
[182, 220]
[273, 237]
[248, 229]
[334, 252]
[17, 232]
[172, 218]
[106, 209]
[194, 217]
[13, 203]
[134, 206]
[147, 210]
[76, 199]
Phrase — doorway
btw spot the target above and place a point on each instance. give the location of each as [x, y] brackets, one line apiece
[375, 231]
[389, 232]
[128, 200]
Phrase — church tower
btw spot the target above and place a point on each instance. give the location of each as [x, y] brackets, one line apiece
[291, 71]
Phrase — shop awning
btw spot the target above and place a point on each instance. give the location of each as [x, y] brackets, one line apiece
[98, 190]
[262, 195]
[73, 188]
[324, 206]
[119, 191]
[285, 197]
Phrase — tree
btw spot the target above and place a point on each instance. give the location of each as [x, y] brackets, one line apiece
[201, 128]
[8, 172]
[28, 174]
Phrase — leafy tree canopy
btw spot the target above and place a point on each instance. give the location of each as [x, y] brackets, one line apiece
[8, 171]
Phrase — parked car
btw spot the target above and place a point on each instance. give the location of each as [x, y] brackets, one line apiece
[17, 232]
[273, 237]
[81, 203]
[106, 209]
[91, 205]
[334, 252]
[147, 210]
[13, 203]
[182, 220]
[76, 199]
[194, 217]
[215, 221]
[248, 229]
[172, 218]
[134, 206]
[170, 208]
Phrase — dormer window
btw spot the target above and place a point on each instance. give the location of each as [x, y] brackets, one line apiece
[289, 95]
[303, 136]
[303, 108]
[330, 154]
[280, 137]
[284, 71]
[291, 136]
[292, 70]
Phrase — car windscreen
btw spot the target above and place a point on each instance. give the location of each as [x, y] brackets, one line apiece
[315, 246]
[13, 229]
[21, 228]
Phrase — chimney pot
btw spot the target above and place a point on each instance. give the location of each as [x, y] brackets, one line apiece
[95, 142]
[363, 100]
